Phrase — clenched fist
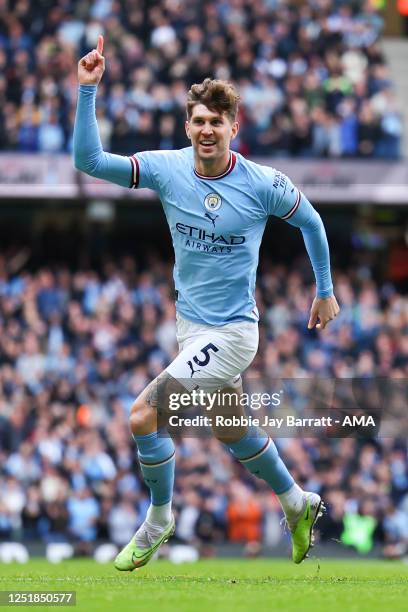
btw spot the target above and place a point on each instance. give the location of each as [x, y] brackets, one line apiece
[323, 310]
[91, 67]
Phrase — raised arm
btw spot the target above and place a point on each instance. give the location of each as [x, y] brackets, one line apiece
[89, 155]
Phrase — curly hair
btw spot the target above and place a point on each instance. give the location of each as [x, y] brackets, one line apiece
[218, 96]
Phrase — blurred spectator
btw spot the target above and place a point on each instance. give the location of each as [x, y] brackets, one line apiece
[82, 515]
[243, 516]
[277, 54]
[122, 522]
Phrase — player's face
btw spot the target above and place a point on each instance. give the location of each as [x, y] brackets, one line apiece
[210, 132]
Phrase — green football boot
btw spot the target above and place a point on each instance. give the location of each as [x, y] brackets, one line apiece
[302, 528]
[132, 557]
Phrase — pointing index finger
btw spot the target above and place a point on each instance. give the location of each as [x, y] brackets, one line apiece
[99, 46]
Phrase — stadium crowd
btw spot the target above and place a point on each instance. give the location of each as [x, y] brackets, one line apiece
[76, 348]
[311, 75]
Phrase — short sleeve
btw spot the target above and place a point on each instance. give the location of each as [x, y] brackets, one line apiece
[151, 169]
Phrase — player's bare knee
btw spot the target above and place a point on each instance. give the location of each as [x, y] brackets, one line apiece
[141, 418]
[229, 435]
[227, 438]
[149, 410]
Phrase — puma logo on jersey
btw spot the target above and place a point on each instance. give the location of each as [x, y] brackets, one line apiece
[212, 218]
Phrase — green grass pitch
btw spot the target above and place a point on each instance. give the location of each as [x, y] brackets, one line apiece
[253, 585]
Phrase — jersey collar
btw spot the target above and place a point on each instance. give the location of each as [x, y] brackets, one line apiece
[230, 167]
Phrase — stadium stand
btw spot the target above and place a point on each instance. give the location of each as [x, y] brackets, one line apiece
[312, 76]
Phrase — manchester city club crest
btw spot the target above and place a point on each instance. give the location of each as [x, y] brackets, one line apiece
[212, 202]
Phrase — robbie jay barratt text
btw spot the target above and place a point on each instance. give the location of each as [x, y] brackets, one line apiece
[289, 421]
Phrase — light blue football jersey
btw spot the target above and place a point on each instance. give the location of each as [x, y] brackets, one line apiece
[216, 224]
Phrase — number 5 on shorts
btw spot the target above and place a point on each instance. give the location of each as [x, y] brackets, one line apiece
[206, 350]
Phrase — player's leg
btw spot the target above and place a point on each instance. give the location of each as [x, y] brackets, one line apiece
[157, 462]
[254, 449]
[155, 450]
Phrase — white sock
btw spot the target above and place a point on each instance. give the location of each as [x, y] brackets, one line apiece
[159, 516]
[292, 501]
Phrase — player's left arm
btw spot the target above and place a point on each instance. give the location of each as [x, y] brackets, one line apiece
[291, 205]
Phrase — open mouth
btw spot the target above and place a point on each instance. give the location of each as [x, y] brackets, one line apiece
[207, 144]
